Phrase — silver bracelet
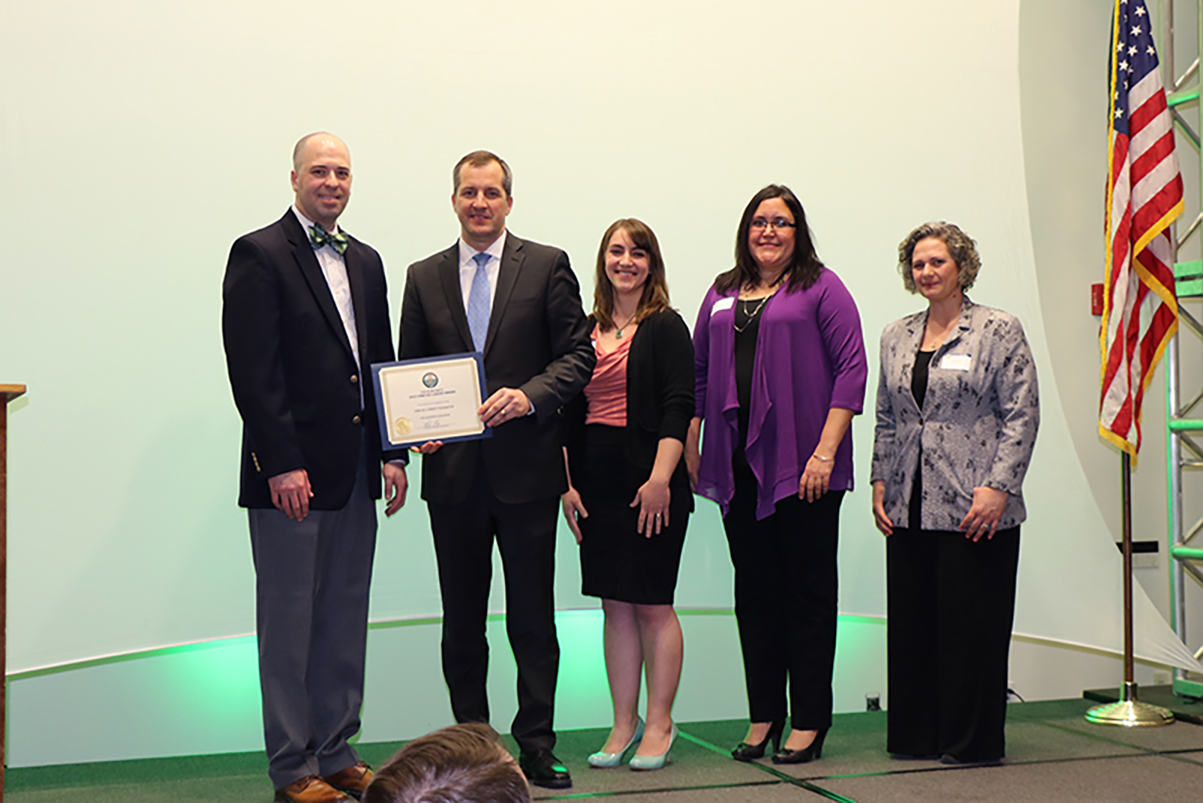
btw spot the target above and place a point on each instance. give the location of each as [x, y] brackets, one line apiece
[819, 456]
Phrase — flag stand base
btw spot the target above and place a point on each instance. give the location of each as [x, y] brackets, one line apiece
[1130, 712]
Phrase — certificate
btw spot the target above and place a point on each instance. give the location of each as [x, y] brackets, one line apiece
[432, 399]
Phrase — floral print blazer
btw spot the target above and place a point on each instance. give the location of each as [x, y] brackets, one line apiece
[977, 425]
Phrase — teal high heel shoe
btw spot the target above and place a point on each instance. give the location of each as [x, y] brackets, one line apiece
[639, 762]
[603, 760]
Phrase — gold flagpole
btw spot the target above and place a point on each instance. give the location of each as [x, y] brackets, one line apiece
[1128, 711]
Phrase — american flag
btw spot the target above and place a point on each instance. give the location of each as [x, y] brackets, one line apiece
[1144, 196]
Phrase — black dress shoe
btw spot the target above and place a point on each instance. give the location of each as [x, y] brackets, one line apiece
[542, 768]
[750, 752]
[949, 758]
[809, 753]
[915, 756]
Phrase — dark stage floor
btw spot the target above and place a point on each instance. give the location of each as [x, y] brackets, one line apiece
[1053, 754]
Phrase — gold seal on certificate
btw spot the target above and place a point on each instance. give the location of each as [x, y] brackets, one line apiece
[430, 400]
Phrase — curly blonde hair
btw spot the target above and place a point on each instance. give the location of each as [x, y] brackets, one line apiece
[961, 248]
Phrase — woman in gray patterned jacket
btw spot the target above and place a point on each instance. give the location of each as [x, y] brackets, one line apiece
[957, 413]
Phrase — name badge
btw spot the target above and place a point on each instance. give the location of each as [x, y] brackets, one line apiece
[956, 362]
[722, 304]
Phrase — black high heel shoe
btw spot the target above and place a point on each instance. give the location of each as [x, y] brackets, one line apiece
[810, 752]
[751, 752]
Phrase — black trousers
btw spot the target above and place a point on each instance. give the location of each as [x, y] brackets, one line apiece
[785, 602]
[463, 541]
[951, 603]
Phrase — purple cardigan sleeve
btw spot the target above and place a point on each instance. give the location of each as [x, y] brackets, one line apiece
[839, 323]
[701, 353]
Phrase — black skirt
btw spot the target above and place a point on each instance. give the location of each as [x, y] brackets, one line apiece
[616, 561]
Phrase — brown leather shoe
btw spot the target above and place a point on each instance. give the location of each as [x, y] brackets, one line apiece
[310, 789]
[353, 780]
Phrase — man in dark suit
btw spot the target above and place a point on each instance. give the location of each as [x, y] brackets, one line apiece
[305, 311]
[519, 303]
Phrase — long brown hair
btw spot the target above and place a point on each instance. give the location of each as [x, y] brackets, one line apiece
[655, 289]
[805, 267]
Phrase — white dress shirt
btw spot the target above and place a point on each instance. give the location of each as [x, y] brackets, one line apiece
[334, 268]
[467, 267]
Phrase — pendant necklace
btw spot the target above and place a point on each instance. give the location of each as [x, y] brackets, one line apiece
[751, 315]
[618, 329]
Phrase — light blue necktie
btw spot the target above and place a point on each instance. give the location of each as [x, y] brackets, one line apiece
[478, 303]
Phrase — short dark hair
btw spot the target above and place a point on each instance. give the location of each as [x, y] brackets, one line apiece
[480, 159]
[655, 290]
[961, 248]
[805, 267]
[462, 763]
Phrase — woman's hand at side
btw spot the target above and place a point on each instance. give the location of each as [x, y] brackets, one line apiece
[816, 478]
[570, 500]
[653, 496]
[652, 499]
[816, 475]
[693, 455]
[983, 517]
[884, 525]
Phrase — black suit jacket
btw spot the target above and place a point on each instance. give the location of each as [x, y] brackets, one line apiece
[537, 342]
[294, 377]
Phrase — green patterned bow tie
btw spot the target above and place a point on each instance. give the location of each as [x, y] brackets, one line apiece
[319, 237]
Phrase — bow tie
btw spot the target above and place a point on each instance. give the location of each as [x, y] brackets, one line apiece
[319, 237]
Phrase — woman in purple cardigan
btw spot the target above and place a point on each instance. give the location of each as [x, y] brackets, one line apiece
[780, 368]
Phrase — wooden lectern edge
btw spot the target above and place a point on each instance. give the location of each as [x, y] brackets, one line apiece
[8, 392]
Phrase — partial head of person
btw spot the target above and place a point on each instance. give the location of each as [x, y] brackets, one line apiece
[774, 244]
[481, 185]
[629, 262]
[463, 763]
[937, 259]
[321, 178]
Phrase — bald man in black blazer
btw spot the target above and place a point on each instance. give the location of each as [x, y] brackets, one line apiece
[305, 310]
[537, 356]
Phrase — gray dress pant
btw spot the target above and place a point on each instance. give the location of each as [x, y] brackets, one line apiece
[312, 582]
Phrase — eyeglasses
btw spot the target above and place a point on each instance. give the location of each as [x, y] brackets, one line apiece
[760, 224]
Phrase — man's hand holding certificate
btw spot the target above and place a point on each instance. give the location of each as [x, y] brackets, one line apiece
[504, 405]
[434, 401]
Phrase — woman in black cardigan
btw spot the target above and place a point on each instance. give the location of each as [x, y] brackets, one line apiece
[628, 499]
